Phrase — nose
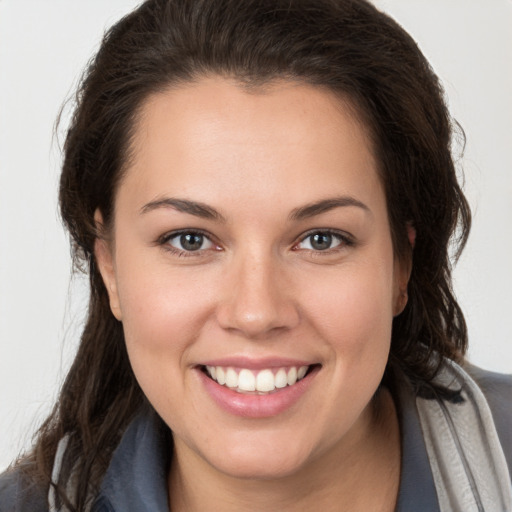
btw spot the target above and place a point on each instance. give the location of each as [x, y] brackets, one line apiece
[257, 298]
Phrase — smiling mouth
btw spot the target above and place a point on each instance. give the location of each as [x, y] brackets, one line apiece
[258, 382]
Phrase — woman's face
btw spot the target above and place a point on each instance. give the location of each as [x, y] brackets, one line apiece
[253, 271]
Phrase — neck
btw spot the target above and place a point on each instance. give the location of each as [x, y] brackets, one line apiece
[358, 475]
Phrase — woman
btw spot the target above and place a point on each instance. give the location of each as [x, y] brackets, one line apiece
[264, 194]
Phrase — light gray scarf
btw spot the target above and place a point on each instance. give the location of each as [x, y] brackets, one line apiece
[467, 461]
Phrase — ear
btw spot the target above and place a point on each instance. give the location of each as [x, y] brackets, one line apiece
[403, 269]
[105, 261]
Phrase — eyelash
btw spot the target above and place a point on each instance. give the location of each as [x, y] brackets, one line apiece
[345, 241]
[165, 239]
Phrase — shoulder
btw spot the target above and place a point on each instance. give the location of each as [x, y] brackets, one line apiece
[18, 493]
[495, 386]
[497, 389]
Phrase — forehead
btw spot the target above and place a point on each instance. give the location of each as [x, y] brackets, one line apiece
[215, 102]
[215, 139]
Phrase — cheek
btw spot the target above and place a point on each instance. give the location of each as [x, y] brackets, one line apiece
[353, 309]
[351, 314]
[159, 305]
[160, 323]
[162, 310]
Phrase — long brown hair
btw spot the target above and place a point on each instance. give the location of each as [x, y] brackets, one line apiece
[347, 46]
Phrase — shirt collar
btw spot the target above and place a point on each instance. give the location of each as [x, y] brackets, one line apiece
[136, 478]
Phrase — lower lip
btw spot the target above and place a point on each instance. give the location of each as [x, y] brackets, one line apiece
[256, 406]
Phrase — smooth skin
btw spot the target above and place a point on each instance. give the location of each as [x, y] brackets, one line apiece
[256, 284]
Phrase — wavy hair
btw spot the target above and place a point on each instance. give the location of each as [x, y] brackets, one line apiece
[346, 46]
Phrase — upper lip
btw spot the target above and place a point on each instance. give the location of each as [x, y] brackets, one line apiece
[256, 363]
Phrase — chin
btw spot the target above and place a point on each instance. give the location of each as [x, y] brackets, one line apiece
[260, 469]
[257, 461]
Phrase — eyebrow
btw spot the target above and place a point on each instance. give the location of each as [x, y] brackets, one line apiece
[325, 205]
[207, 212]
[186, 206]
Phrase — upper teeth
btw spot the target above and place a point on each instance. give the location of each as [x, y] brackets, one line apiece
[262, 381]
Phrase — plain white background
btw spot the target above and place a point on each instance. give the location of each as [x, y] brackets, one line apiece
[44, 45]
